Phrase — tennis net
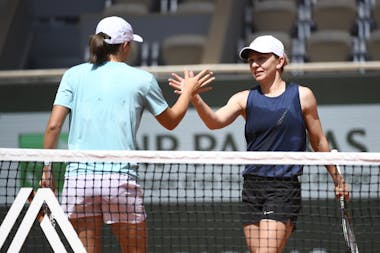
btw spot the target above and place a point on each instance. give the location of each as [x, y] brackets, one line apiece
[193, 198]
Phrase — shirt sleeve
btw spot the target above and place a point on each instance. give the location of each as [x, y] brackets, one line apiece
[155, 100]
[64, 96]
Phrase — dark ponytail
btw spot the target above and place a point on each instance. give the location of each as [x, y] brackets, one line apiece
[99, 49]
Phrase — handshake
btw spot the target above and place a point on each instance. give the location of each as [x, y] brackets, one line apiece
[190, 82]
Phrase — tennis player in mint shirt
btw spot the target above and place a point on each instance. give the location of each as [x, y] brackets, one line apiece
[100, 114]
[105, 100]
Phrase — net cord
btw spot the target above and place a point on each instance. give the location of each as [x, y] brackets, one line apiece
[190, 157]
[226, 68]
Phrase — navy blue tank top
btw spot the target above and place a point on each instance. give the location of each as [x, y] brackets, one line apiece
[274, 124]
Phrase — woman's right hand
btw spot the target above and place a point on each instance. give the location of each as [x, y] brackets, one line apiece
[199, 81]
[47, 178]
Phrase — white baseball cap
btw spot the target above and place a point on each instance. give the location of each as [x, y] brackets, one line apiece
[118, 29]
[264, 44]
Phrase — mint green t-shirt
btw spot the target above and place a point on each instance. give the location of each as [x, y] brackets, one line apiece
[106, 105]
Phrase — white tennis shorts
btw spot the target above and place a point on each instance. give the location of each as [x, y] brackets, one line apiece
[117, 198]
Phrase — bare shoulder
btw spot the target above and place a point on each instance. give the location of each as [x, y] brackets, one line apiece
[240, 97]
[307, 97]
[305, 91]
[241, 94]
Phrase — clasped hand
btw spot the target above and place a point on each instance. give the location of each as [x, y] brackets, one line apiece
[196, 83]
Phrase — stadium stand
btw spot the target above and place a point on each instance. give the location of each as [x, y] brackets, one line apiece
[376, 12]
[373, 45]
[371, 20]
[51, 47]
[329, 45]
[55, 27]
[273, 15]
[16, 34]
[326, 12]
[182, 49]
[147, 4]
[331, 38]
[129, 9]
[38, 37]
[280, 18]
[196, 7]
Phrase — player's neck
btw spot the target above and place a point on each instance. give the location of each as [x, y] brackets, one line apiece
[116, 58]
[273, 88]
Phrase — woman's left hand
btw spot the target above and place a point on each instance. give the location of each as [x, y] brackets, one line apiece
[177, 82]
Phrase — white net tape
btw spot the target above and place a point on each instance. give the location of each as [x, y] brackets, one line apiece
[192, 157]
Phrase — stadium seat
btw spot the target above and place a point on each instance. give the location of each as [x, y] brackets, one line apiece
[376, 13]
[334, 15]
[274, 15]
[329, 45]
[373, 46]
[68, 8]
[126, 9]
[204, 1]
[197, 1]
[42, 55]
[147, 3]
[183, 49]
[134, 58]
[254, 1]
[196, 7]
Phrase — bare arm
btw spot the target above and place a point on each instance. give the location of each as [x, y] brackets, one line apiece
[223, 116]
[53, 129]
[317, 138]
[172, 116]
[54, 126]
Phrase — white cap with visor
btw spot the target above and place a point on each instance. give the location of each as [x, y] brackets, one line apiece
[263, 44]
[118, 30]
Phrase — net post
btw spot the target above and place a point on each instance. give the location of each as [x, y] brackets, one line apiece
[13, 213]
[42, 195]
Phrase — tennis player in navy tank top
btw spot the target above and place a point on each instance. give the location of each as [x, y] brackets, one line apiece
[279, 117]
[274, 124]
